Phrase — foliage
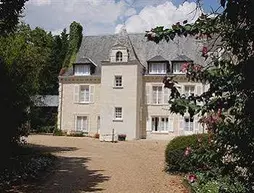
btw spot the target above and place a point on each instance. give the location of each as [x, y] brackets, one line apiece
[76, 134]
[180, 151]
[225, 184]
[43, 119]
[75, 39]
[10, 11]
[58, 132]
[25, 164]
[227, 106]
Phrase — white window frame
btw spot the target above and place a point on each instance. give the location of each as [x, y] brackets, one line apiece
[82, 70]
[188, 90]
[188, 125]
[157, 68]
[119, 56]
[158, 100]
[118, 81]
[83, 129]
[162, 126]
[88, 95]
[178, 69]
[118, 115]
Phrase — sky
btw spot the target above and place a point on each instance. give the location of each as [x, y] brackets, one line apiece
[109, 16]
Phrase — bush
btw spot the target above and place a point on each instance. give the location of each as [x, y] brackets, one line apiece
[76, 134]
[176, 160]
[58, 132]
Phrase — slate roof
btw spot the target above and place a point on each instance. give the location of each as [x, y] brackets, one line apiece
[157, 58]
[97, 48]
[84, 60]
[182, 58]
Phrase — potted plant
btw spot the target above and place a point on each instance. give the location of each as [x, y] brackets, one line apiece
[97, 136]
[121, 137]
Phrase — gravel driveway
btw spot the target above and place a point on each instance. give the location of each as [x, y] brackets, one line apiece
[88, 165]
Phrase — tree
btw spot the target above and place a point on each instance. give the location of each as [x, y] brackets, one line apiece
[227, 107]
[75, 39]
[10, 11]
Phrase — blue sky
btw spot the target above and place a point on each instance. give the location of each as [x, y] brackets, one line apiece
[108, 16]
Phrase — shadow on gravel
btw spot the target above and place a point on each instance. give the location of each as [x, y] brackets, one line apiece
[68, 175]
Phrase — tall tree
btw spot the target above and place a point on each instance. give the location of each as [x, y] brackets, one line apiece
[75, 39]
[10, 11]
[227, 107]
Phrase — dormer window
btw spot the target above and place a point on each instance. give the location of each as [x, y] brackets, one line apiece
[178, 62]
[158, 65]
[177, 66]
[82, 70]
[157, 68]
[119, 56]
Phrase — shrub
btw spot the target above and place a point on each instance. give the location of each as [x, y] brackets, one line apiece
[58, 132]
[76, 134]
[177, 156]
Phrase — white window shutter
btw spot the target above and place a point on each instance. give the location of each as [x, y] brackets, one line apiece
[148, 94]
[171, 124]
[91, 89]
[76, 93]
[166, 95]
[148, 124]
[198, 90]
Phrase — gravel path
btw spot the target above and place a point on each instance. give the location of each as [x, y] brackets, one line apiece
[88, 165]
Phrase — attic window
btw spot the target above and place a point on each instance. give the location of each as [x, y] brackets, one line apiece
[119, 56]
[81, 70]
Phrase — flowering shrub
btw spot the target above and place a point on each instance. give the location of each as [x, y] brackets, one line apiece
[181, 154]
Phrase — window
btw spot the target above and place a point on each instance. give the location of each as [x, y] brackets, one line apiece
[81, 123]
[177, 68]
[118, 81]
[84, 94]
[119, 56]
[188, 124]
[160, 124]
[157, 68]
[157, 95]
[81, 70]
[189, 90]
[118, 113]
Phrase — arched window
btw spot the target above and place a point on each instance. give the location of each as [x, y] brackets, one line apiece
[119, 56]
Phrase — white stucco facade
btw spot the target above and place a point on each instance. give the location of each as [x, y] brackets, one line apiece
[123, 95]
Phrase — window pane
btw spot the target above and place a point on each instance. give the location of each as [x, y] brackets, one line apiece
[84, 95]
[118, 80]
[157, 68]
[118, 112]
[82, 70]
[79, 119]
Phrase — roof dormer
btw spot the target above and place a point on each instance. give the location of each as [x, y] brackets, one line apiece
[158, 65]
[119, 53]
[178, 62]
[84, 67]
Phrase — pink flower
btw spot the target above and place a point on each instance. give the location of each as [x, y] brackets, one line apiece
[187, 151]
[192, 178]
[184, 67]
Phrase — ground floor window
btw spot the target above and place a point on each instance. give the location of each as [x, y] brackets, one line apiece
[81, 123]
[188, 124]
[160, 124]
